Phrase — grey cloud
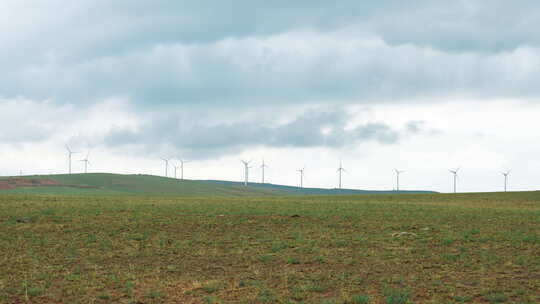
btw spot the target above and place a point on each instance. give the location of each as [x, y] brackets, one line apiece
[105, 27]
[252, 53]
[297, 68]
[315, 128]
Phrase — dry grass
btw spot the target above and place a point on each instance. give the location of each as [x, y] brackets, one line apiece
[475, 248]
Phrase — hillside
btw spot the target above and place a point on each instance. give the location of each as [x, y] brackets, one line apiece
[116, 184]
[291, 190]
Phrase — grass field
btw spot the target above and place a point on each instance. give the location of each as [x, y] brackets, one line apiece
[137, 184]
[117, 184]
[430, 248]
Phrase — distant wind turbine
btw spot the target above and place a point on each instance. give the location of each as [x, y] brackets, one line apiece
[302, 176]
[455, 172]
[86, 162]
[182, 162]
[166, 160]
[262, 167]
[505, 178]
[70, 153]
[175, 168]
[340, 170]
[397, 178]
[246, 171]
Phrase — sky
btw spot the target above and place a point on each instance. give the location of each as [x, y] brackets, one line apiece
[423, 86]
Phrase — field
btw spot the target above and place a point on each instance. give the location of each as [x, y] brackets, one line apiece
[428, 248]
[137, 184]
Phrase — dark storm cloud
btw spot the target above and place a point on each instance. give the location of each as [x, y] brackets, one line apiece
[315, 128]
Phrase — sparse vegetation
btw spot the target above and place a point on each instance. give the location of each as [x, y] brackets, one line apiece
[466, 248]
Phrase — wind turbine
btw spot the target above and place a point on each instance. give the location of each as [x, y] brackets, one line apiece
[86, 162]
[455, 172]
[166, 160]
[175, 168]
[70, 153]
[301, 176]
[397, 178]
[182, 162]
[246, 171]
[505, 178]
[340, 170]
[262, 167]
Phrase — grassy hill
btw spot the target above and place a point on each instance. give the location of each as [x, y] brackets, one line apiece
[291, 190]
[116, 184]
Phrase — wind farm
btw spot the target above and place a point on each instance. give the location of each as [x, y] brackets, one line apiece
[178, 165]
[269, 152]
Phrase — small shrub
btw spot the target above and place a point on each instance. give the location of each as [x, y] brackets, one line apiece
[451, 257]
[447, 241]
[461, 299]
[210, 288]
[155, 295]
[496, 297]
[103, 296]
[316, 288]
[264, 258]
[396, 296]
[211, 300]
[279, 246]
[293, 261]
[264, 296]
[34, 291]
[360, 299]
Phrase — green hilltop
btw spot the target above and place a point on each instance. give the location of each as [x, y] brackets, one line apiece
[118, 184]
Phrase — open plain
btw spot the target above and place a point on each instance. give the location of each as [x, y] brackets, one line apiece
[427, 248]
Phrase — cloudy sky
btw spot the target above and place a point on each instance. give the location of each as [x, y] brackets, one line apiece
[422, 86]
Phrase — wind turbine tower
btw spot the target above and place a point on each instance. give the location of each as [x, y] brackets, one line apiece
[166, 160]
[505, 178]
[70, 153]
[455, 172]
[175, 169]
[301, 176]
[262, 167]
[86, 162]
[246, 171]
[340, 170]
[397, 178]
[182, 162]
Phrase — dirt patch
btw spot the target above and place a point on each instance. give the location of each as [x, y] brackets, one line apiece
[4, 185]
[13, 183]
